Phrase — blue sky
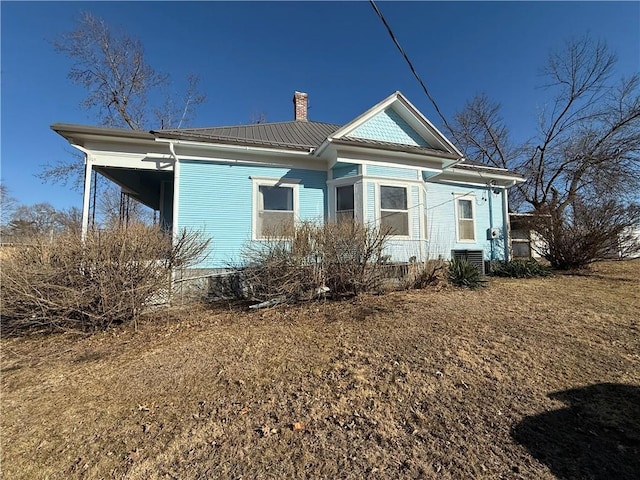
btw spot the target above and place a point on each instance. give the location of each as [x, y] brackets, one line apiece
[251, 57]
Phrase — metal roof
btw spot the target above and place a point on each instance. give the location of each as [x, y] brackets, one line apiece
[394, 146]
[296, 135]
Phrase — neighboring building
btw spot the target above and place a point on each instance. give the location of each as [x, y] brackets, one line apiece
[526, 243]
[389, 166]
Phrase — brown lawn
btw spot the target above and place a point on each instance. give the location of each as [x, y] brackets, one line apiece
[524, 379]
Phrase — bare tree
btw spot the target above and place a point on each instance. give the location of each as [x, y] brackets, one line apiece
[7, 205]
[587, 148]
[111, 66]
[121, 87]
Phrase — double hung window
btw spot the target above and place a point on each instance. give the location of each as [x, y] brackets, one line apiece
[466, 223]
[344, 203]
[276, 214]
[394, 213]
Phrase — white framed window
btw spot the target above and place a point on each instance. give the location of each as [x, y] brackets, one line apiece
[275, 207]
[345, 201]
[394, 211]
[465, 219]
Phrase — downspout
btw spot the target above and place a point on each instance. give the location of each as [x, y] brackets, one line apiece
[174, 220]
[490, 235]
[507, 225]
[176, 191]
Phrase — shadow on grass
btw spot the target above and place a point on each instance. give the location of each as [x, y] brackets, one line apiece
[597, 436]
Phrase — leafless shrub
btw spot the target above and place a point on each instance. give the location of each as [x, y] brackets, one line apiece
[109, 278]
[588, 234]
[425, 274]
[352, 257]
[346, 258]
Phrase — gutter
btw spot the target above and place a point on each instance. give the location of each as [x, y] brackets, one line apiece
[223, 146]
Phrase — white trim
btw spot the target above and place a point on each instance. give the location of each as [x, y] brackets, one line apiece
[88, 169]
[420, 116]
[409, 113]
[335, 199]
[407, 190]
[395, 180]
[268, 180]
[425, 217]
[381, 163]
[257, 182]
[471, 197]
[339, 182]
[176, 194]
[224, 146]
[359, 195]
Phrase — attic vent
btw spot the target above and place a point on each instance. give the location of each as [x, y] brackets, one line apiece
[474, 257]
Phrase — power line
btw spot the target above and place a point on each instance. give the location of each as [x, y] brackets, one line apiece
[406, 57]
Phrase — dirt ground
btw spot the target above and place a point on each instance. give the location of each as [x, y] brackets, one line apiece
[523, 379]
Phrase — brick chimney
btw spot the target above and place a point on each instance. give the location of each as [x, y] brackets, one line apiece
[300, 106]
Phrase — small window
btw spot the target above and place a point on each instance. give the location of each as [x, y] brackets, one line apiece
[393, 210]
[275, 211]
[466, 224]
[344, 203]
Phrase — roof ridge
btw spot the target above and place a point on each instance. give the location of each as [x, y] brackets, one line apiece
[246, 125]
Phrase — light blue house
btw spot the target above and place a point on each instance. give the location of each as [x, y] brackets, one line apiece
[389, 166]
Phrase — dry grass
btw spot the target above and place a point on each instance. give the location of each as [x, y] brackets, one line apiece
[421, 384]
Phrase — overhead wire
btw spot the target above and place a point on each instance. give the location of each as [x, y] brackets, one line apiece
[406, 57]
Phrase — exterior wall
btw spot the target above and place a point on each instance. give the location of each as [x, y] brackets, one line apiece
[344, 170]
[400, 248]
[388, 126]
[218, 199]
[393, 172]
[441, 219]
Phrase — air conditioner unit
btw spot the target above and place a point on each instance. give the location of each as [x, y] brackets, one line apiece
[493, 233]
[474, 257]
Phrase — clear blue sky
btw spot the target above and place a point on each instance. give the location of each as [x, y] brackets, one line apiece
[252, 56]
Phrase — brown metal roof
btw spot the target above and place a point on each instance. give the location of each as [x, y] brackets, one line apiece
[296, 135]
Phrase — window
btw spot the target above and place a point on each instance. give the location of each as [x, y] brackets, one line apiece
[344, 203]
[393, 210]
[466, 224]
[275, 210]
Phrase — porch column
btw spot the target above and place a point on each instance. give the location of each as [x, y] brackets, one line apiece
[88, 169]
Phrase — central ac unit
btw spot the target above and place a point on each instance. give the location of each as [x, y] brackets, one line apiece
[474, 257]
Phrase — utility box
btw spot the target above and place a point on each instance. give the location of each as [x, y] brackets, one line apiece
[493, 233]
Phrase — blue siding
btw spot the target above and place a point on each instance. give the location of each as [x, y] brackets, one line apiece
[341, 170]
[442, 220]
[370, 207]
[217, 199]
[415, 212]
[393, 172]
[388, 126]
